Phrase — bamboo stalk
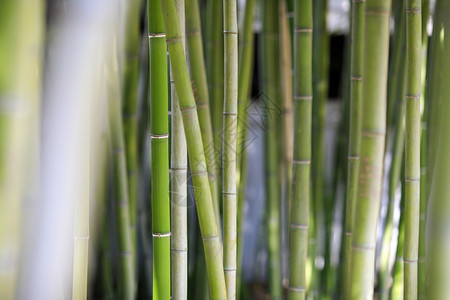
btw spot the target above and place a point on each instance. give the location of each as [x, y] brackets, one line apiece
[412, 146]
[159, 133]
[126, 278]
[439, 242]
[230, 115]
[298, 245]
[179, 165]
[271, 75]
[373, 133]
[208, 226]
[129, 111]
[200, 88]
[245, 60]
[356, 84]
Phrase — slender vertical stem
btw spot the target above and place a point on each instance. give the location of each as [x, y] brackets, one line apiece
[245, 60]
[271, 83]
[230, 115]
[126, 278]
[207, 220]
[200, 88]
[129, 111]
[298, 245]
[356, 93]
[159, 133]
[373, 131]
[412, 145]
[179, 184]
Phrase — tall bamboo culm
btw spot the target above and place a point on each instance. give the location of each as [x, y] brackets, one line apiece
[298, 233]
[356, 93]
[373, 131]
[159, 133]
[245, 60]
[412, 145]
[271, 87]
[201, 93]
[129, 111]
[179, 180]
[126, 270]
[205, 210]
[438, 257]
[230, 115]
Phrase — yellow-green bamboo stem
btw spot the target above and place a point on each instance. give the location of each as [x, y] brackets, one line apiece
[21, 39]
[200, 88]
[412, 145]
[373, 131]
[179, 187]
[356, 84]
[129, 111]
[207, 220]
[230, 115]
[299, 223]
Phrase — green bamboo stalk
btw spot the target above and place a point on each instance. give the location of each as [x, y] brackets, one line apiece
[287, 134]
[129, 110]
[230, 115]
[179, 165]
[126, 271]
[21, 29]
[246, 44]
[298, 241]
[394, 180]
[356, 83]
[271, 75]
[421, 269]
[373, 133]
[208, 226]
[439, 242]
[159, 132]
[215, 71]
[397, 278]
[322, 215]
[412, 145]
[200, 88]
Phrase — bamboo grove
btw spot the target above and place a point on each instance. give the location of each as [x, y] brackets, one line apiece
[234, 149]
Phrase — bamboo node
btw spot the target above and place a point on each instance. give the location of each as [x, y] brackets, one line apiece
[161, 235]
[407, 179]
[203, 105]
[159, 136]
[353, 157]
[348, 233]
[410, 261]
[173, 40]
[156, 35]
[229, 32]
[356, 78]
[363, 247]
[229, 193]
[179, 250]
[369, 133]
[77, 237]
[229, 270]
[210, 237]
[194, 31]
[301, 162]
[188, 109]
[303, 30]
[373, 12]
[358, 1]
[303, 97]
[414, 10]
[229, 113]
[299, 226]
[413, 96]
[297, 289]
